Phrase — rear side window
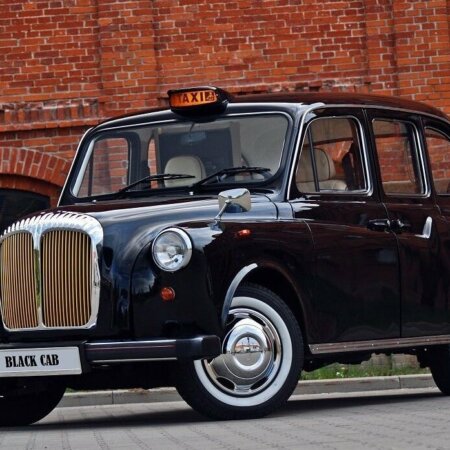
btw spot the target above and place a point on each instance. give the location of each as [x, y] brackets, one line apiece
[398, 157]
[331, 157]
[439, 153]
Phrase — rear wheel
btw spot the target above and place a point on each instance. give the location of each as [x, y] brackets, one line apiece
[439, 362]
[26, 400]
[262, 357]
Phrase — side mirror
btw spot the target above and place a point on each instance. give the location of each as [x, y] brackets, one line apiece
[234, 201]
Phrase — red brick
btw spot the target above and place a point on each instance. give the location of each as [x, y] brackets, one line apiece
[64, 65]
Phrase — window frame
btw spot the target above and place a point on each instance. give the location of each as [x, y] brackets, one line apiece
[418, 147]
[436, 129]
[78, 182]
[333, 113]
[86, 146]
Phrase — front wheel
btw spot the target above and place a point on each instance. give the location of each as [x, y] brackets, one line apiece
[261, 360]
[24, 401]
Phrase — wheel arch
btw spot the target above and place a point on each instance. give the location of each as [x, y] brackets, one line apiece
[278, 281]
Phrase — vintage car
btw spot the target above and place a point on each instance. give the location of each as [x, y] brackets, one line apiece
[224, 244]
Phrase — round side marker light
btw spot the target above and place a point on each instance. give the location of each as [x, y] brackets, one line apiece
[167, 294]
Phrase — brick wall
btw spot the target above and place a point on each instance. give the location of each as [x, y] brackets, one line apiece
[66, 64]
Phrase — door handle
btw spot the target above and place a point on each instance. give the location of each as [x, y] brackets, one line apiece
[398, 226]
[379, 225]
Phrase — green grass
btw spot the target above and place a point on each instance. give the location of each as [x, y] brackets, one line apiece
[358, 370]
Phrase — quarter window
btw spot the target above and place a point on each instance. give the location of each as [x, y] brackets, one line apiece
[439, 152]
[107, 169]
[331, 157]
[397, 151]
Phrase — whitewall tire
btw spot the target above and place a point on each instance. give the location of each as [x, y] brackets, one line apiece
[261, 360]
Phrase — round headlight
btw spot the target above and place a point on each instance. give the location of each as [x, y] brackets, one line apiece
[172, 249]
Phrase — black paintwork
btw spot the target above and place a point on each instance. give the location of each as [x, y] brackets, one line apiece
[346, 278]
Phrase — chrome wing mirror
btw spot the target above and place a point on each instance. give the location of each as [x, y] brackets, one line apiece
[234, 201]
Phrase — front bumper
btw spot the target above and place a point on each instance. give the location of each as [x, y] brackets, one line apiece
[72, 358]
[152, 350]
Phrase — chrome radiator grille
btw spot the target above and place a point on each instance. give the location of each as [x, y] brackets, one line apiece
[66, 268]
[18, 287]
[49, 276]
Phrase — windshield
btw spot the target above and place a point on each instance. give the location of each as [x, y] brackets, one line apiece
[182, 154]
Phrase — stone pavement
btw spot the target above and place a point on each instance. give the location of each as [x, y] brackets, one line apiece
[393, 419]
[343, 385]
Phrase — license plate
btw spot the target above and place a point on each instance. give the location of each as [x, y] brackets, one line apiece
[40, 361]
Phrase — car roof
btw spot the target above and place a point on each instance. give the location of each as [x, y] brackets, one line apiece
[341, 98]
[306, 98]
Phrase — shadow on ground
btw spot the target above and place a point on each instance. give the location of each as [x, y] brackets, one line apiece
[178, 413]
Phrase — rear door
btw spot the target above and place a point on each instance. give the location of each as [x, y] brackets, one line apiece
[414, 218]
[437, 139]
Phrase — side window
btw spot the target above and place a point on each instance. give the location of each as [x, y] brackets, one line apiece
[398, 157]
[107, 170]
[439, 152]
[331, 157]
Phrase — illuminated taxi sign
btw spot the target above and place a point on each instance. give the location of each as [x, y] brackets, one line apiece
[199, 100]
[192, 98]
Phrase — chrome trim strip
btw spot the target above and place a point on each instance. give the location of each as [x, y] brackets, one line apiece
[296, 150]
[37, 226]
[232, 289]
[114, 361]
[379, 344]
[127, 345]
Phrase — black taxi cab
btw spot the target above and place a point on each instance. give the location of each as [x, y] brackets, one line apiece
[225, 244]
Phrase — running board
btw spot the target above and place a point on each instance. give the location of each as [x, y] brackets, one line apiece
[379, 344]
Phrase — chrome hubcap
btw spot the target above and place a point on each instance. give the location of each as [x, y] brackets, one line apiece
[251, 354]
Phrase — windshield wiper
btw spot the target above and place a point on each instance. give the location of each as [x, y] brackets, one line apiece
[155, 177]
[229, 172]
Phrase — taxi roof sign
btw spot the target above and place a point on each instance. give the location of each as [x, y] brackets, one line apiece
[198, 100]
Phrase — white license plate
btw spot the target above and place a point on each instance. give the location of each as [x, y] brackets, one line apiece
[40, 361]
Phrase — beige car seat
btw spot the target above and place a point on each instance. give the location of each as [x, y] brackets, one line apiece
[325, 172]
[186, 165]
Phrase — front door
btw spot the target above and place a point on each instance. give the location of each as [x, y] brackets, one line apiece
[356, 291]
[415, 220]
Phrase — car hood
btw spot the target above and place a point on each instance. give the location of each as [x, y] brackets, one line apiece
[128, 225]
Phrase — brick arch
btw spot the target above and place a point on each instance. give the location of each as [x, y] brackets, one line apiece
[34, 171]
[34, 164]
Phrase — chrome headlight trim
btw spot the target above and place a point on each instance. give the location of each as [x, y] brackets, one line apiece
[187, 251]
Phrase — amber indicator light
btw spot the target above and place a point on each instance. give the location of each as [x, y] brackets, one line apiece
[167, 294]
[243, 233]
[187, 99]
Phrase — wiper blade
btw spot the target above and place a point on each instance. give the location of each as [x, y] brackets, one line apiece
[155, 177]
[230, 171]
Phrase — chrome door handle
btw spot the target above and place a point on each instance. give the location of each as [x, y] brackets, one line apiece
[379, 225]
